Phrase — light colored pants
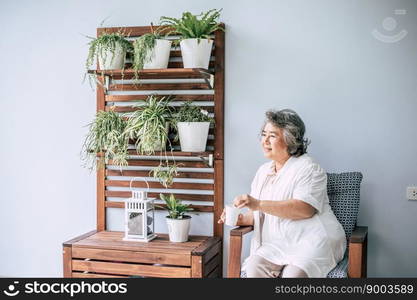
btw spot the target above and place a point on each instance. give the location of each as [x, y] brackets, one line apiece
[258, 267]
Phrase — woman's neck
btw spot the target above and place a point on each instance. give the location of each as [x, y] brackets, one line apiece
[280, 162]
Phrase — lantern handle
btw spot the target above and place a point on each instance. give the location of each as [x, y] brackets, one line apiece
[134, 179]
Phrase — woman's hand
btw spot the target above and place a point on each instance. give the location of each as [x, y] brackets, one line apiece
[246, 201]
[222, 217]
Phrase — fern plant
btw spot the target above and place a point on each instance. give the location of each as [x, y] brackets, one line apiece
[148, 125]
[176, 210]
[106, 136]
[191, 26]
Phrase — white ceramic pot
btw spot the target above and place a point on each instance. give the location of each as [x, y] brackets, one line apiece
[158, 58]
[194, 54]
[178, 229]
[193, 136]
[112, 61]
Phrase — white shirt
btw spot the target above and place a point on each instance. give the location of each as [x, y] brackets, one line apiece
[315, 244]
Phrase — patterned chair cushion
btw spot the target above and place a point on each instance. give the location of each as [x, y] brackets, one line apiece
[341, 270]
[344, 193]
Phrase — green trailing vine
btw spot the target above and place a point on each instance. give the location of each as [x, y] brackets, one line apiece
[142, 47]
[102, 46]
[165, 173]
[106, 137]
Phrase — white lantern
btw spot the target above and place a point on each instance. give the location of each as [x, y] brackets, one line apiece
[139, 216]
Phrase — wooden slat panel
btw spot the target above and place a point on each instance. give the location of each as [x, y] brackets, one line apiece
[179, 64]
[215, 273]
[92, 275]
[197, 267]
[218, 196]
[158, 87]
[177, 53]
[100, 210]
[131, 269]
[219, 93]
[114, 240]
[124, 98]
[212, 264]
[79, 238]
[133, 31]
[235, 254]
[170, 73]
[131, 256]
[210, 109]
[212, 252]
[188, 197]
[206, 246]
[175, 153]
[157, 185]
[133, 173]
[197, 208]
[66, 260]
[152, 163]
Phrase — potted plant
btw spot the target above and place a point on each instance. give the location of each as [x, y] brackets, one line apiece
[178, 223]
[195, 33]
[110, 49]
[106, 140]
[149, 125]
[151, 51]
[192, 124]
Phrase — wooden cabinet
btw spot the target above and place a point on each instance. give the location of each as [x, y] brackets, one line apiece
[103, 253]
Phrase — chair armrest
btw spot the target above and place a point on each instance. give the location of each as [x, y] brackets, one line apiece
[359, 234]
[235, 250]
[241, 230]
[358, 252]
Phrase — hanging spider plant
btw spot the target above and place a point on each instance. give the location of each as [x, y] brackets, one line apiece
[106, 137]
[165, 173]
[149, 125]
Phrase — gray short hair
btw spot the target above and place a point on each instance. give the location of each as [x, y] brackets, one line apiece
[293, 129]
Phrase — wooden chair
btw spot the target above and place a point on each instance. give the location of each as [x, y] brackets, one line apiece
[344, 193]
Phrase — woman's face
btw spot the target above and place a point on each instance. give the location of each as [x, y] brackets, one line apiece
[273, 143]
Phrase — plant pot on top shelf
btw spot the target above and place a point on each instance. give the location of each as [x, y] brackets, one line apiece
[110, 49]
[151, 51]
[195, 39]
[178, 223]
[192, 124]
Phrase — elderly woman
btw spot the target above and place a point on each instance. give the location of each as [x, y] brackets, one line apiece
[296, 233]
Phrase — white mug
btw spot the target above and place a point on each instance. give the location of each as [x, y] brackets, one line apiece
[232, 215]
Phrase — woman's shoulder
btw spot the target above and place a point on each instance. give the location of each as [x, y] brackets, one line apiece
[305, 163]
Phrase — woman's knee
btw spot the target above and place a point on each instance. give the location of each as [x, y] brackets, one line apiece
[291, 271]
[258, 267]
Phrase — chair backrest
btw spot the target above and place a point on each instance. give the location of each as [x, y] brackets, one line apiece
[344, 194]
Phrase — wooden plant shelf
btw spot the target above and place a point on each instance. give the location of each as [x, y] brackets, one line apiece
[170, 73]
[103, 253]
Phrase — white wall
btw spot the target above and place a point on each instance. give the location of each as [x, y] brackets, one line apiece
[356, 94]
